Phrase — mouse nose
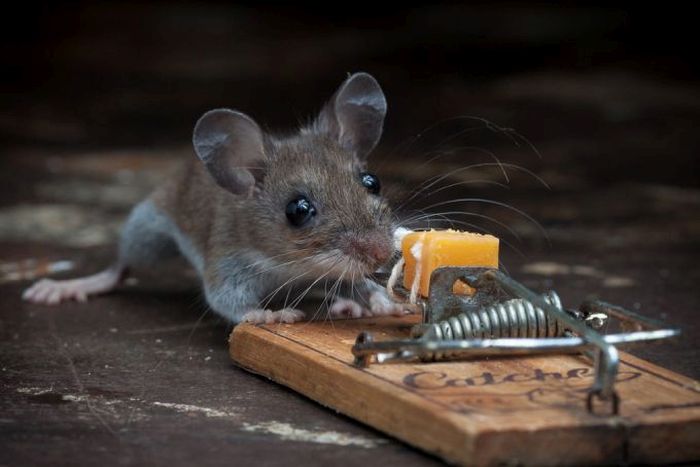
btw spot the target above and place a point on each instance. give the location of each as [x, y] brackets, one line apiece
[376, 248]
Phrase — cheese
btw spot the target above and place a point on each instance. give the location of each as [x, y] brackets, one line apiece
[426, 251]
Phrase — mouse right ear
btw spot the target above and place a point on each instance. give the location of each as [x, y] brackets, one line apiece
[230, 144]
[355, 114]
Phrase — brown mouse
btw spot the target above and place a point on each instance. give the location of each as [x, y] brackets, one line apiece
[261, 216]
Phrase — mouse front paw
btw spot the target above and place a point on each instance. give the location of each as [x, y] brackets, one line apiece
[346, 308]
[285, 315]
[381, 305]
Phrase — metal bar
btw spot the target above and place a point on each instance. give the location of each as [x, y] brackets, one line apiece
[408, 349]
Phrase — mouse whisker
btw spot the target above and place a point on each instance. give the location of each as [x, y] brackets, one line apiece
[295, 302]
[515, 137]
[269, 297]
[478, 181]
[496, 203]
[279, 265]
[268, 258]
[327, 299]
[426, 217]
[485, 124]
[432, 181]
[301, 296]
[526, 141]
[465, 213]
[323, 302]
[272, 294]
[335, 293]
[326, 302]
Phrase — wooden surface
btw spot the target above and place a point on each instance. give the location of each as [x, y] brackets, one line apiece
[524, 411]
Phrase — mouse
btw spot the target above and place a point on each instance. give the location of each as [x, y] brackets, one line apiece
[261, 215]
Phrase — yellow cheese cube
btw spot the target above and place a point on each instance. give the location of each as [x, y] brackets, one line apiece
[438, 248]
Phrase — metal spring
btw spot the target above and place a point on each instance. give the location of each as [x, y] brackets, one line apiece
[512, 318]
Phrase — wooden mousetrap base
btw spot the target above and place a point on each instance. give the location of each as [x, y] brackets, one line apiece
[515, 411]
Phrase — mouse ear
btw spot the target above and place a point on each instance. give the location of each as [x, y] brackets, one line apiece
[355, 114]
[231, 146]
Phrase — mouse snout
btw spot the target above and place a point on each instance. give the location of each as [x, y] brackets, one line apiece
[374, 248]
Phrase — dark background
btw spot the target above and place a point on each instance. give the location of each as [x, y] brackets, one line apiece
[123, 74]
[98, 99]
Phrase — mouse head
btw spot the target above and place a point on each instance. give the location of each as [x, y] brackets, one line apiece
[308, 197]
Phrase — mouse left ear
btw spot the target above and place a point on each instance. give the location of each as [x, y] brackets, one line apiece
[355, 114]
[230, 144]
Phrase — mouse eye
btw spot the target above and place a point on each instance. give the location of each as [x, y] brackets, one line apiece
[371, 182]
[300, 211]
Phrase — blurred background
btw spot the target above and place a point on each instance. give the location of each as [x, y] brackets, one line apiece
[576, 122]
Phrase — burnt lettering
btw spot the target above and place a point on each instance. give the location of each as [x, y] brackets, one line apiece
[439, 380]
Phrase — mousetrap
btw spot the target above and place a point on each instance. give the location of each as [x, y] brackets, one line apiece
[500, 376]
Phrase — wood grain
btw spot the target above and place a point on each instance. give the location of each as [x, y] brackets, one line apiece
[525, 411]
